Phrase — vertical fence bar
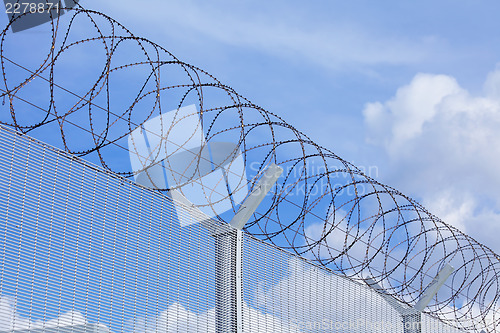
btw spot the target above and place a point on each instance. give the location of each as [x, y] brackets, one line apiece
[239, 281]
[228, 258]
[227, 286]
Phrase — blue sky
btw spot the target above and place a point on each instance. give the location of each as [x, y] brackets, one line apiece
[407, 90]
[320, 64]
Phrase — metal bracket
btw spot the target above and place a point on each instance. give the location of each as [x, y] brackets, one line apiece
[251, 203]
[412, 315]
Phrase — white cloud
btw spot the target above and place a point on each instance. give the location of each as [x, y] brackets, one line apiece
[402, 118]
[356, 240]
[442, 144]
[315, 300]
[303, 299]
[11, 320]
[349, 237]
[176, 318]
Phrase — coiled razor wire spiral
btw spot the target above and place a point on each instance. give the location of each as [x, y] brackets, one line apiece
[322, 208]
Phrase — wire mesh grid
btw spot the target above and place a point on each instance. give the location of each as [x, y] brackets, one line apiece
[323, 205]
[303, 297]
[85, 249]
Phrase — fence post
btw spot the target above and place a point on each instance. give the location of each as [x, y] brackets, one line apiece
[412, 317]
[229, 256]
[227, 281]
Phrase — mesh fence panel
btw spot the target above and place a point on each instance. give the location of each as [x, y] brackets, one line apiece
[83, 250]
[307, 298]
[82, 247]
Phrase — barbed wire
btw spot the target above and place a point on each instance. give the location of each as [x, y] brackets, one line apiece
[323, 207]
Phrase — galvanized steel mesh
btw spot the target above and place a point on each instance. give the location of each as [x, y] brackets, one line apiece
[84, 250]
[323, 208]
[308, 298]
[82, 247]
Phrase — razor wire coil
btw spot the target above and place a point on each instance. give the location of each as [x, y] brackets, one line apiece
[323, 207]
